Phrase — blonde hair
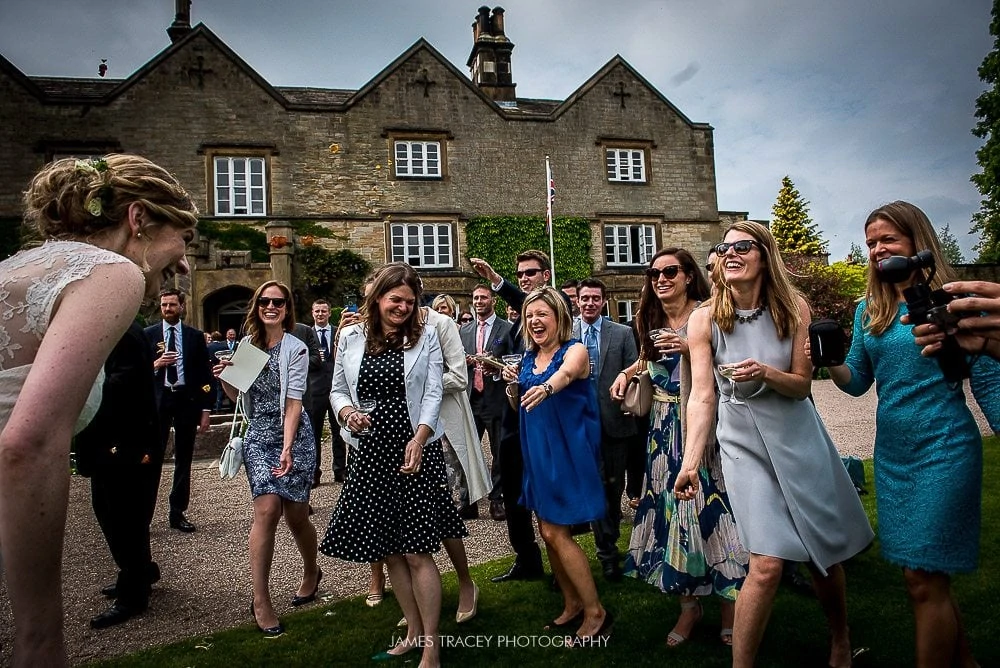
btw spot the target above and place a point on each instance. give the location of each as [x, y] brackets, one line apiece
[445, 299]
[74, 199]
[557, 302]
[777, 291]
[881, 298]
[254, 326]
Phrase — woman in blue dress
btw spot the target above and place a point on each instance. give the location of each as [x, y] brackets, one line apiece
[688, 548]
[560, 442]
[928, 449]
[278, 449]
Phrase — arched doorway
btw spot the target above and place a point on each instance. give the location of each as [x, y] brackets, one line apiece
[226, 308]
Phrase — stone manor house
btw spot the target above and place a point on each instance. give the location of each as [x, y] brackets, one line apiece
[395, 169]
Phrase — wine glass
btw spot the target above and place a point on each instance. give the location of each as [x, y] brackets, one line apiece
[366, 407]
[655, 334]
[223, 355]
[727, 371]
[514, 359]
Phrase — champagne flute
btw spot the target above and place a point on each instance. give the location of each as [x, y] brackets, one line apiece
[366, 407]
[223, 355]
[727, 371]
[655, 334]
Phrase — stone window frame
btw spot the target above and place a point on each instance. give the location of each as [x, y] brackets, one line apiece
[637, 234]
[612, 150]
[424, 137]
[400, 229]
[230, 153]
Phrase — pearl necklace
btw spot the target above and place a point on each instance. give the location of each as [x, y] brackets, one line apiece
[750, 317]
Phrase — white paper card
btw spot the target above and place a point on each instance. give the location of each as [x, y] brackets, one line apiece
[247, 363]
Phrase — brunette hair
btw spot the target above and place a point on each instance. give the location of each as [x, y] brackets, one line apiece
[557, 302]
[541, 258]
[881, 299]
[392, 275]
[651, 315]
[777, 290]
[254, 326]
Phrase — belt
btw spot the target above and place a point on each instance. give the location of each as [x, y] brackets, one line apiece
[177, 388]
[659, 394]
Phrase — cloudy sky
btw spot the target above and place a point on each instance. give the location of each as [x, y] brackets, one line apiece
[858, 101]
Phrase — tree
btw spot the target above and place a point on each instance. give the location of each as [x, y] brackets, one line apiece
[791, 226]
[987, 220]
[949, 246]
[857, 255]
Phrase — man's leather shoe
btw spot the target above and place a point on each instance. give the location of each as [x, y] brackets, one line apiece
[612, 571]
[519, 572]
[111, 590]
[180, 523]
[497, 511]
[116, 614]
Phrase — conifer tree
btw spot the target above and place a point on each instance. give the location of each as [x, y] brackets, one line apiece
[987, 220]
[857, 255]
[949, 246]
[791, 225]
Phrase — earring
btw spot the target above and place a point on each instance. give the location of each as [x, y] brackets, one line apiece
[138, 235]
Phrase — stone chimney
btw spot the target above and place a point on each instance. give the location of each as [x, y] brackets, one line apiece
[489, 61]
[182, 20]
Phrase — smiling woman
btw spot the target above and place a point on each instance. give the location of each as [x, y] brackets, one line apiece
[114, 228]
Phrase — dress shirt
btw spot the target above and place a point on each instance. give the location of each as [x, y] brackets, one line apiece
[178, 346]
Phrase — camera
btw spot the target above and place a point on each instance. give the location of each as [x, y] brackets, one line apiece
[929, 306]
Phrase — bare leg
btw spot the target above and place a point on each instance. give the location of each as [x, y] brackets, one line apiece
[940, 637]
[426, 582]
[832, 594]
[455, 547]
[572, 605]
[266, 513]
[691, 613]
[728, 613]
[402, 585]
[753, 607]
[304, 533]
[576, 572]
[376, 584]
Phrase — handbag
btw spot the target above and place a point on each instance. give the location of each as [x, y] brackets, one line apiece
[638, 397]
[231, 460]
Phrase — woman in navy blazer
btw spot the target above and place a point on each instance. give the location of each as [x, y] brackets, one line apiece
[395, 505]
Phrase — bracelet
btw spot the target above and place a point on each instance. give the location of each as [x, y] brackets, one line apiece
[348, 417]
[548, 389]
[413, 440]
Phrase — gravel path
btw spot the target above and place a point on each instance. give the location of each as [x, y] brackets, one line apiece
[206, 575]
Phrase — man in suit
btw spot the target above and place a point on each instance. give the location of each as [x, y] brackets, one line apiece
[183, 394]
[533, 270]
[485, 394]
[216, 344]
[320, 382]
[611, 348]
[120, 451]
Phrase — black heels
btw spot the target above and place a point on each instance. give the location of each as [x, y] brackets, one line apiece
[270, 632]
[302, 600]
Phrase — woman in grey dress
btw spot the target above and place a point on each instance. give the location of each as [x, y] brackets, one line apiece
[278, 449]
[791, 496]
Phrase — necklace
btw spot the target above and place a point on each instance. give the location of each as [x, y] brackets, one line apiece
[751, 316]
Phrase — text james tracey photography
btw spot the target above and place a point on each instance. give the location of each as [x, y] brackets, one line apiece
[485, 641]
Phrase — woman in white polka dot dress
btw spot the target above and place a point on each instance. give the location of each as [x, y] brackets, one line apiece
[395, 504]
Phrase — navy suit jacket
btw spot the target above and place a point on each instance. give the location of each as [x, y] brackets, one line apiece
[197, 365]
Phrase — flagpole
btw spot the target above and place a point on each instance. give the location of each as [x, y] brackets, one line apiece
[550, 193]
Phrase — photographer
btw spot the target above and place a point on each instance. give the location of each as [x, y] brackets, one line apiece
[928, 449]
[978, 335]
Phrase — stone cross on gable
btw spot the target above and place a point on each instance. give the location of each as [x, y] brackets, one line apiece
[424, 81]
[200, 71]
[620, 93]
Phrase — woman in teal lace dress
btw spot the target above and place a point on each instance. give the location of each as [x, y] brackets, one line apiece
[687, 548]
[928, 450]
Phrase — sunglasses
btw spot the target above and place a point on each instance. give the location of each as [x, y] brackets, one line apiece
[669, 271]
[465, 320]
[530, 273]
[276, 302]
[742, 247]
[708, 268]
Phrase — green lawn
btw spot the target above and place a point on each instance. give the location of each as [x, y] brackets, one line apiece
[511, 615]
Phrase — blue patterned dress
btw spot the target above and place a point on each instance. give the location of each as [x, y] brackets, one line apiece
[928, 450]
[561, 445]
[688, 548]
[264, 440]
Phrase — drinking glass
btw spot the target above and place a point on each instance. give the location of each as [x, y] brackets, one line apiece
[655, 334]
[513, 359]
[727, 371]
[366, 407]
[223, 354]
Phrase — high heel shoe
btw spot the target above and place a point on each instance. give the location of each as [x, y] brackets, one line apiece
[302, 600]
[271, 631]
[461, 616]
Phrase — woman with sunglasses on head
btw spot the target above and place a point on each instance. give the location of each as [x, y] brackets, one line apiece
[928, 448]
[114, 230]
[278, 448]
[688, 548]
[790, 493]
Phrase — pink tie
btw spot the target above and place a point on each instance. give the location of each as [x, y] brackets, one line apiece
[477, 379]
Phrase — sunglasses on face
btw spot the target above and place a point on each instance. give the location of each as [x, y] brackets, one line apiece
[669, 271]
[530, 273]
[742, 247]
[465, 320]
[708, 268]
[276, 302]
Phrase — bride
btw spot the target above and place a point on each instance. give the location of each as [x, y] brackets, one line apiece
[114, 230]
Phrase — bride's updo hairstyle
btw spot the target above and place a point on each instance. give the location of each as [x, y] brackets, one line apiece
[74, 199]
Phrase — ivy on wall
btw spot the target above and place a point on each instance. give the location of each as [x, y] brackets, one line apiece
[498, 239]
[237, 236]
[335, 276]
